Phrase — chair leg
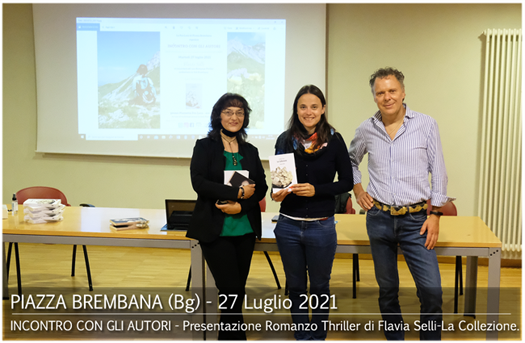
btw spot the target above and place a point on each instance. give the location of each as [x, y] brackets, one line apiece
[189, 280]
[18, 276]
[88, 270]
[273, 269]
[8, 263]
[73, 259]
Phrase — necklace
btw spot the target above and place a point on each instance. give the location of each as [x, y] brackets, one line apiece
[230, 141]
[393, 129]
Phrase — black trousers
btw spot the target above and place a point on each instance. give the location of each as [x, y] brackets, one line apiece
[229, 260]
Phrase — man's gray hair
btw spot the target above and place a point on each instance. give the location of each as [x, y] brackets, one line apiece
[384, 72]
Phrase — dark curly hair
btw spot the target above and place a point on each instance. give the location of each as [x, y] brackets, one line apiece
[384, 72]
[225, 101]
[296, 128]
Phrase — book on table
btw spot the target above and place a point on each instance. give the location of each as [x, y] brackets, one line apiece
[129, 223]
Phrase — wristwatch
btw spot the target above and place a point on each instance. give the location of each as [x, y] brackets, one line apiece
[437, 213]
[242, 189]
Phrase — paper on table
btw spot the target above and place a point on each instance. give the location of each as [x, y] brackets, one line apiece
[42, 204]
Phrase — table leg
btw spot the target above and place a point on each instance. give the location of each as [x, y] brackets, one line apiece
[493, 290]
[5, 291]
[197, 286]
[470, 286]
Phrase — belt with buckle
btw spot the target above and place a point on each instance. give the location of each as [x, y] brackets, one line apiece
[401, 210]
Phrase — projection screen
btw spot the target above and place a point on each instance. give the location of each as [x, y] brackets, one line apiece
[141, 80]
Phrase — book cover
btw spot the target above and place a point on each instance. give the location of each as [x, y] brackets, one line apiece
[237, 180]
[282, 169]
[128, 221]
[132, 226]
[229, 173]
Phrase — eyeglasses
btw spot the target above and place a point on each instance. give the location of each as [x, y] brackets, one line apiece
[239, 114]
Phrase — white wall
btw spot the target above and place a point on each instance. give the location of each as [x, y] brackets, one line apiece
[438, 47]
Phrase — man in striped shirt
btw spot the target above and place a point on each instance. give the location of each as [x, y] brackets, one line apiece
[403, 147]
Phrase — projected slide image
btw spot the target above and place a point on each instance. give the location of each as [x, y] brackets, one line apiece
[128, 80]
[193, 96]
[246, 71]
[156, 77]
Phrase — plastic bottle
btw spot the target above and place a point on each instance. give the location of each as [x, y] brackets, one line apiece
[14, 205]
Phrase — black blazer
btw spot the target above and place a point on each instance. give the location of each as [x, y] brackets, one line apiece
[207, 178]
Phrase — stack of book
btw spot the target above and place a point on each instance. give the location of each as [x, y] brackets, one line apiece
[40, 211]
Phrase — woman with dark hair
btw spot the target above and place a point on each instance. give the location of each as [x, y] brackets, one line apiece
[227, 232]
[305, 231]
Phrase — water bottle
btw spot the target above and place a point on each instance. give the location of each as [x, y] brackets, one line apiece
[14, 205]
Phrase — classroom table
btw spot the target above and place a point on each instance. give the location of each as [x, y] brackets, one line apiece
[91, 226]
[459, 236]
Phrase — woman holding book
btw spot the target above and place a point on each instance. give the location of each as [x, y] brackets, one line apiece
[305, 231]
[227, 219]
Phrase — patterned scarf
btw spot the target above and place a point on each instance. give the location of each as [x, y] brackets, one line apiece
[310, 144]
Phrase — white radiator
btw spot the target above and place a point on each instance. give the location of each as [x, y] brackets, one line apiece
[500, 176]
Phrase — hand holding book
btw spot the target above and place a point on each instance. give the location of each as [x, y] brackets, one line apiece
[238, 179]
[248, 191]
[303, 189]
[279, 195]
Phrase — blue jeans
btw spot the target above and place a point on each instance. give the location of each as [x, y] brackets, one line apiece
[307, 247]
[386, 232]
